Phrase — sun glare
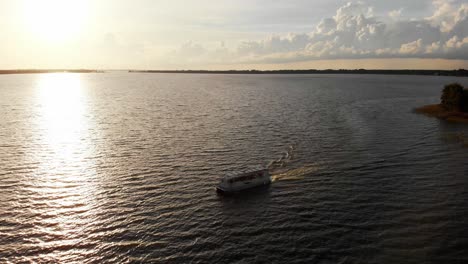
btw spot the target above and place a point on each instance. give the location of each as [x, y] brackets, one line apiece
[61, 97]
[55, 20]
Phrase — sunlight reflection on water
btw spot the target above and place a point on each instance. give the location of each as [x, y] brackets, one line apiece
[65, 176]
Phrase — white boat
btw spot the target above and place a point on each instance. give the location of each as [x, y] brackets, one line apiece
[245, 179]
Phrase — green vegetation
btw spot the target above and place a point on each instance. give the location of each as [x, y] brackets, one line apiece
[454, 98]
[453, 104]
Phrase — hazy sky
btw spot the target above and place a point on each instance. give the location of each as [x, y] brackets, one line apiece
[233, 34]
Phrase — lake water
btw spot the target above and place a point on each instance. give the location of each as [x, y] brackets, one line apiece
[121, 167]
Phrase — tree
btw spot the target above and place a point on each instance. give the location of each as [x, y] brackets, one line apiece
[454, 97]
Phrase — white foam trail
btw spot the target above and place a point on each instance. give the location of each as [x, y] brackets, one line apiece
[282, 160]
[296, 174]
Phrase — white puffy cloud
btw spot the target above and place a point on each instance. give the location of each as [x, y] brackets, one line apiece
[448, 15]
[274, 44]
[354, 32]
[395, 14]
[412, 47]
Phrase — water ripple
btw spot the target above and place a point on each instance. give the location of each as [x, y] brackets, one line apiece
[121, 168]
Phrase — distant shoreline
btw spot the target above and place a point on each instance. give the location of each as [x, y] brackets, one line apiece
[436, 110]
[455, 73]
[49, 71]
[458, 73]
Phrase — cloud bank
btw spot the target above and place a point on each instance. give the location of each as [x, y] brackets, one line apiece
[354, 32]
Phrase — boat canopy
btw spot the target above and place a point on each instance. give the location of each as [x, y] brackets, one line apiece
[249, 170]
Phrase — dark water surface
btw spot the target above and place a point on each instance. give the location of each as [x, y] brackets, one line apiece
[122, 167]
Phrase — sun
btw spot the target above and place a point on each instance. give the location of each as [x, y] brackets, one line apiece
[55, 20]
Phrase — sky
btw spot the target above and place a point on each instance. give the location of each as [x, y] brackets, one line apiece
[234, 34]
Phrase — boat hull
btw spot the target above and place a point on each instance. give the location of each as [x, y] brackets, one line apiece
[235, 189]
[243, 180]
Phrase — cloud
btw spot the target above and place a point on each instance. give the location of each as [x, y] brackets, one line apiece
[354, 32]
[395, 14]
[412, 47]
[274, 44]
[448, 15]
[190, 49]
[192, 53]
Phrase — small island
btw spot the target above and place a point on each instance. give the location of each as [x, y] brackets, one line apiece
[453, 105]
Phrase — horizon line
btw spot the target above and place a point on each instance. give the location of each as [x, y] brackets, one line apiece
[220, 70]
[456, 73]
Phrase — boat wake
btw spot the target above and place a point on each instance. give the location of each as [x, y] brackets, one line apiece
[295, 174]
[280, 168]
[283, 160]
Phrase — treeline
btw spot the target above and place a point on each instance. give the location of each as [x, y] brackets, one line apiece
[47, 71]
[460, 72]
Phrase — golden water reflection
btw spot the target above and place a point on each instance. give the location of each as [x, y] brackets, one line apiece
[66, 180]
[62, 111]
